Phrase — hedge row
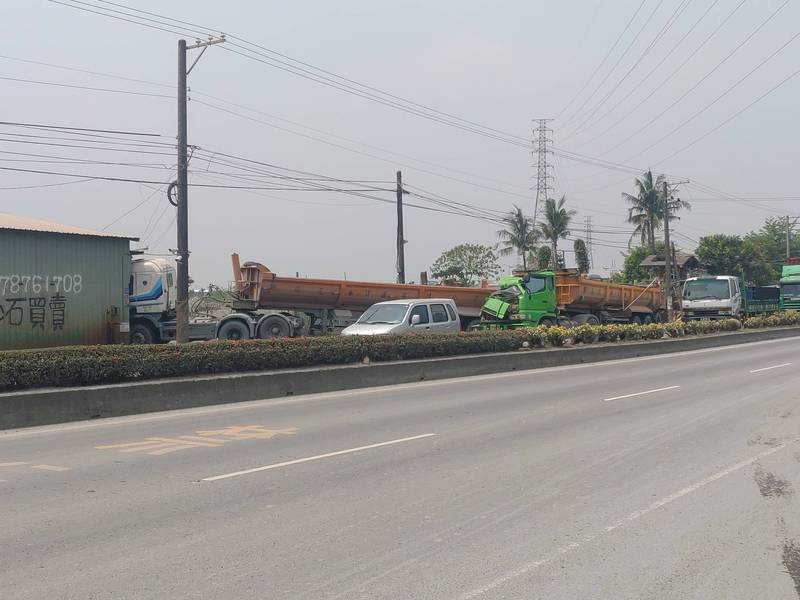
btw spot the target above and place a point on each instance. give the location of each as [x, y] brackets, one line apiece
[88, 365]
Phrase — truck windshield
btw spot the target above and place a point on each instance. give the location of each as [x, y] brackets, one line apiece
[790, 289]
[384, 313]
[700, 289]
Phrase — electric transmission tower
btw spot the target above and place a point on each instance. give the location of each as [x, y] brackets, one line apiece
[541, 140]
[588, 234]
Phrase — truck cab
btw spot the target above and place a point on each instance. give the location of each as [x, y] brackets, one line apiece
[712, 297]
[523, 301]
[790, 287]
[151, 298]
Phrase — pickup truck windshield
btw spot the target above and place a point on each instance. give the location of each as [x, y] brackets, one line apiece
[384, 313]
[703, 289]
[790, 289]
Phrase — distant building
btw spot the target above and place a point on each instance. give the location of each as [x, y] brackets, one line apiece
[61, 285]
[684, 263]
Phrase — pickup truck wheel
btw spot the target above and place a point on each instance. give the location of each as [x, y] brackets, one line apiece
[142, 333]
[274, 326]
[233, 330]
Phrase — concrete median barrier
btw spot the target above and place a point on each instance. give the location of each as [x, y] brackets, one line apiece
[49, 406]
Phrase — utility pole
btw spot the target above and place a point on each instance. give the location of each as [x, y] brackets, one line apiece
[668, 247]
[182, 300]
[401, 242]
[667, 255]
[543, 176]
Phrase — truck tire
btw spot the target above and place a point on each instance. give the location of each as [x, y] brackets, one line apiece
[636, 320]
[586, 319]
[547, 322]
[234, 330]
[142, 333]
[647, 319]
[274, 326]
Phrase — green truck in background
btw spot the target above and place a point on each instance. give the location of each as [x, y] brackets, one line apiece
[790, 286]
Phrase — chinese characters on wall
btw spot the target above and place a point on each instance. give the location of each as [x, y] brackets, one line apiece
[37, 301]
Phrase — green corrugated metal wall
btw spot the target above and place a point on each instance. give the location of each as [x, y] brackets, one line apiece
[58, 289]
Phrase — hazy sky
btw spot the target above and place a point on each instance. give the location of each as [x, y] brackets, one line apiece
[500, 64]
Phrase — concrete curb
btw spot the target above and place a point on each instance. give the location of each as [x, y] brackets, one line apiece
[48, 406]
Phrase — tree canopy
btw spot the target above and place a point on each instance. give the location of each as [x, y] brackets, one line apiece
[466, 265]
[518, 235]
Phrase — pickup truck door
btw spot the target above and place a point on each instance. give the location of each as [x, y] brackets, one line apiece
[440, 320]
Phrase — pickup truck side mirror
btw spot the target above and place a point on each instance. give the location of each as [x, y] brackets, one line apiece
[415, 319]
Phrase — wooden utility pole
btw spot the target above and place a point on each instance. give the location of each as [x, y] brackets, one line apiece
[667, 255]
[182, 299]
[401, 242]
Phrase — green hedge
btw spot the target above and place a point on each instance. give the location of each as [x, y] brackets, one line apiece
[88, 365]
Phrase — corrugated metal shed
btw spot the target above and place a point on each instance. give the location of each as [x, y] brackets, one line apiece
[20, 223]
[61, 285]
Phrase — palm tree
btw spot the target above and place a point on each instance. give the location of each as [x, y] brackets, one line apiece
[518, 236]
[556, 224]
[646, 210]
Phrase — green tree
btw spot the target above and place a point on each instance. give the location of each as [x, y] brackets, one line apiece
[632, 271]
[466, 264]
[543, 257]
[732, 255]
[519, 235]
[581, 255]
[556, 224]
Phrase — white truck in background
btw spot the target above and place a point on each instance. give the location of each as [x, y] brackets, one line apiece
[712, 297]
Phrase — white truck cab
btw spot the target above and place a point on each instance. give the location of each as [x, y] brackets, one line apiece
[152, 285]
[712, 297]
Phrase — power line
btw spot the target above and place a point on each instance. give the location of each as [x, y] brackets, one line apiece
[731, 118]
[44, 185]
[85, 71]
[730, 55]
[665, 28]
[661, 85]
[84, 87]
[318, 75]
[362, 153]
[602, 62]
[70, 129]
[616, 64]
[266, 123]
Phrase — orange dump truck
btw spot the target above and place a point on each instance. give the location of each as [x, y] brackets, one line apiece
[302, 306]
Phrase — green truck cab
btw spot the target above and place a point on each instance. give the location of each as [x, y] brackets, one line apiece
[790, 287]
[523, 301]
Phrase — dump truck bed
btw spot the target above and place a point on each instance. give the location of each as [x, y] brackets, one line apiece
[262, 288]
[574, 292]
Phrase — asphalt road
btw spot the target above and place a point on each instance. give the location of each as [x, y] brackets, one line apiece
[662, 477]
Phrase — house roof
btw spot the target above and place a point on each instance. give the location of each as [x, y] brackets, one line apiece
[681, 259]
[20, 223]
